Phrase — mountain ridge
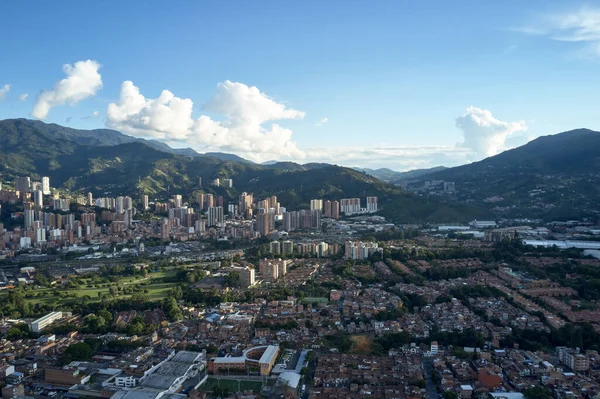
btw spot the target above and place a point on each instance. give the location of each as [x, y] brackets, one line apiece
[135, 168]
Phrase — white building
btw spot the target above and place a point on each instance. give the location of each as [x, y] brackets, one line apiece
[43, 322]
[350, 206]
[371, 204]
[46, 185]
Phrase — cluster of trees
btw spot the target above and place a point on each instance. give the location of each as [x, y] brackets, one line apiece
[281, 325]
[574, 336]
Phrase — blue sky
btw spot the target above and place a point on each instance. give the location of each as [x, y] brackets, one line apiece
[361, 83]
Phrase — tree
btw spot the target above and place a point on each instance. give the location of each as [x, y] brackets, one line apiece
[171, 309]
[537, 393]
[232, 279]
[450, 395]
[80, 351]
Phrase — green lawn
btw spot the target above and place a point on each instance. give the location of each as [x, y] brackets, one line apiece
[231, 385]
[308, 300]
[156, 289]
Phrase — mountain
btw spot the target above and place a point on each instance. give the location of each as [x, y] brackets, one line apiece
[96, 137]
[108, 163]
[392, 176]
[226, 157]
[555, 177]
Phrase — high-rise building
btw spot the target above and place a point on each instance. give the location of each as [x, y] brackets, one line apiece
[177, 201]
[119, 205]
[199, 181]
[29, 215]
[145, 202]
[210, 201]
[244, 203]
[247, 277]
[23, 184]
[38, 199]
[216, 182]
[287, 221]
[90, 199]
[322, 250]
[127, 203]
[335, 210]
[200, 198]
[275, 247]
[360, 250]
[46, 185]
[371, 204]
[265, 223]
[287, 247]
[316, 204]
[350, 206]
[215, 216]
[228, 183]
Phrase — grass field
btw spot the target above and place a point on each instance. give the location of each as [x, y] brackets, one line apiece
[308, 300]
[152, 283]
[231, 385]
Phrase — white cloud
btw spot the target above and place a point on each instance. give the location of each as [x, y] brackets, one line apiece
[396, 158]
[95, 114]
[485, 135]
[244, 129]
[322, 121]
[23, 97]
[4, 90]
[580, 25]
[83, 80]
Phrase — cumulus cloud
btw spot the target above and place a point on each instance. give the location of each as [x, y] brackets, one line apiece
[581, 25]
[95, 114]
[485, 135]
[23, 97]
[322, 121]
[83, 80]
[4, 90]
[244, 128]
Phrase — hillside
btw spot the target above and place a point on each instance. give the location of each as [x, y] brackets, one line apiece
[552, 177]
[392, 176]
[108, 163]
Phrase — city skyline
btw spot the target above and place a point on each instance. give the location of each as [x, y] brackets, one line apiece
[460, 89]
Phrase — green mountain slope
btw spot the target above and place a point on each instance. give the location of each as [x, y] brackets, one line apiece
[83, 161]
[552, 177]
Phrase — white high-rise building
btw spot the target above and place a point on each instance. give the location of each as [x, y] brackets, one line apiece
[90, 199]
[145, 200]
[350, 206]
[46, 185]
[371, 204]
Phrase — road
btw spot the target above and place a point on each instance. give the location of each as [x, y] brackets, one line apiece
[429, 384]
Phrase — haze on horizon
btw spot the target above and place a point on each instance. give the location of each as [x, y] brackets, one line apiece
[369, 84]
